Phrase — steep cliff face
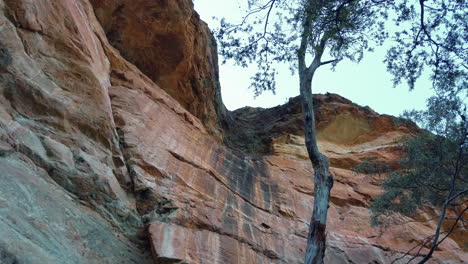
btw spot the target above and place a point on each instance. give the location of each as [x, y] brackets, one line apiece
[110, 150]
[65, 191]
[169, 43]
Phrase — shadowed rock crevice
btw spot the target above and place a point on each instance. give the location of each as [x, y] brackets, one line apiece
[150, 204]
[164, 260]
[5, 57]
[6, 257]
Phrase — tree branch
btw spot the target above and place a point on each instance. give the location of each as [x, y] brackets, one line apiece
[268, 16]
[328, 62]
[301, 52]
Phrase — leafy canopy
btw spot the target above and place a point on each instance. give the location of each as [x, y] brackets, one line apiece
[271, 32]
[435, 164]
[429, 163]
[433, 35]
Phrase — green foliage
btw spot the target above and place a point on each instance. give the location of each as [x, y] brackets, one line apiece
[271, 33]
[402, 121]
[429, 165]
[248, 143]
[433, 34]
[435, 172]
[371, 167]
[443, 115]
[434, 165]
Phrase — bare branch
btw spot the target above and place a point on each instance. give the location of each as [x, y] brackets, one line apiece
[328, 62]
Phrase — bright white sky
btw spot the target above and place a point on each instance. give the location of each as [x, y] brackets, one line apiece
[366, 83]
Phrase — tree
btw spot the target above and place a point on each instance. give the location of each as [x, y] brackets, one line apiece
[302, 33]
[434, 175]
[372, 168]
[434, 37]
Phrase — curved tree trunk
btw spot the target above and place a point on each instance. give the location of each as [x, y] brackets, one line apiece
[323, 180]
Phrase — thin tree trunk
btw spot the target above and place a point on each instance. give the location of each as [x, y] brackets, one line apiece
[436, 235]
[450, 197]
[323, 180]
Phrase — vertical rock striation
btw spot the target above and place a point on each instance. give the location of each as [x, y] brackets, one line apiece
[111, 149]
[171, 45]
[65, 191]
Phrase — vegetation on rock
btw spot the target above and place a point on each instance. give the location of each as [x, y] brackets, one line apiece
[343, 29]
[303, 32]
[434, 179]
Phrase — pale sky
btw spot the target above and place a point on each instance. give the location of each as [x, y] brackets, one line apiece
[366, 83]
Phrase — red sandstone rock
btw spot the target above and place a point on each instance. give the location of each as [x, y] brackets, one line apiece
[169, 43]
[63, 183]
[264, 203]
[91, 149]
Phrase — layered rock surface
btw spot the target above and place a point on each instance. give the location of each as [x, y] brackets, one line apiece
[169, 43]
[65, 192]
[105, 161]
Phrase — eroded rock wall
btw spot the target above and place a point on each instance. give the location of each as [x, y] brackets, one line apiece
[99, 164]
[65, 192]
[169, 43]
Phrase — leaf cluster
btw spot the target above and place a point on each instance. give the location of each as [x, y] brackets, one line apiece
[431, 34]
[435, 164]
[271, 33]
[371, 167]
[429, 165]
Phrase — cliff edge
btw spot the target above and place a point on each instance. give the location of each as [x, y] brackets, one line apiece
[115, 147]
